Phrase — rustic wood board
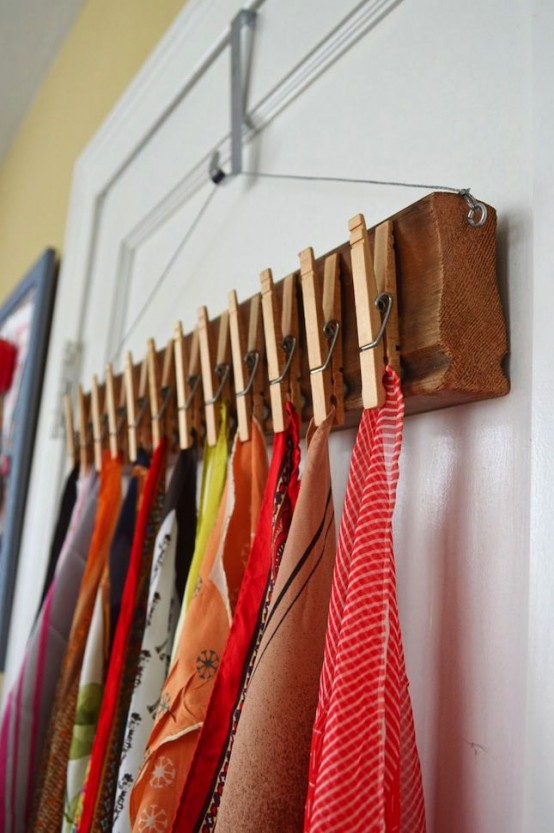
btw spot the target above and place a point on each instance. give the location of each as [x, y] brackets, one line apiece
[452, 329]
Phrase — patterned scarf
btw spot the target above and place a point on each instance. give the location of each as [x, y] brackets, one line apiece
[214, 473]
[267, 779]
[49, 797]
[204, 786]
[101, 783]
[190, 682]
[27, 710]
[172, 556]
[97, 652]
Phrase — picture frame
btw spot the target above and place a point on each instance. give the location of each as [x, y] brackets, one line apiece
[25, 319]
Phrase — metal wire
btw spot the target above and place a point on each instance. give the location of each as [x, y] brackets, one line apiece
[354, 180]
[476, 217]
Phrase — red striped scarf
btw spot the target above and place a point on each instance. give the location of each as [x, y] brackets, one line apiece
[364, 767]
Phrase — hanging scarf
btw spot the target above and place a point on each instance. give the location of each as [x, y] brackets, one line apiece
[69, 498]
[364, 768]
[188, 687]
[97, 653]
[204, 786]
[27, 710]
[120, 551]
[49, 797]
[214, 472]
[172, 556]
[101, 782]
[267, 780]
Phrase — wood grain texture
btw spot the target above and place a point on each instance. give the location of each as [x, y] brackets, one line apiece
[181, 365]
[69, 429]
[111, 411]
[207, 365]
[95, 409]
[243, 402]
[385, 274]
[452, 331]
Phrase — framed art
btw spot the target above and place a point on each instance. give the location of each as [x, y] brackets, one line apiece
[24, 328]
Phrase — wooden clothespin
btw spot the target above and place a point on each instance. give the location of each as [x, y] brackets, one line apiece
[194, 381]
[255, 346]
[385, 274]
[221, 369]
[111, 412]
[368, 318]
[237, 352]
[186, 372]
[246, 359]
[69, 430]
[154, 391]
[168, 391]
[281, 335]
[144, 425]
[84, 443]
[130, 406]
[323, 334]
[122, 438]
[96, 422]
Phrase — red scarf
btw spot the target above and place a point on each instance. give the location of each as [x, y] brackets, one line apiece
[364, 767]
[121, 640]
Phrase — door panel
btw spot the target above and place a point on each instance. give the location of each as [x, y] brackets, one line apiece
[430, 92]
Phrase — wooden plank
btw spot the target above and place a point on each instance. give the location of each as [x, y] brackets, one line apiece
[452, 332]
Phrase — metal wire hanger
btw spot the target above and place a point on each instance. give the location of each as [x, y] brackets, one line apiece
[476, 216]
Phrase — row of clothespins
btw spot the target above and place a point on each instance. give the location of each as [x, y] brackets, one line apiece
[150, 403]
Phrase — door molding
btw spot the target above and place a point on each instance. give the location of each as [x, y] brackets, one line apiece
[163, 82]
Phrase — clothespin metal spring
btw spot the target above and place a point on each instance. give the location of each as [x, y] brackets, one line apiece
[222, 372]
[383, 303]
[288, 345]
[193, 382]
[331, 330]
[251, 360]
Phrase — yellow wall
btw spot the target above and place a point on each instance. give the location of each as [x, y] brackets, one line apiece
[105, 48]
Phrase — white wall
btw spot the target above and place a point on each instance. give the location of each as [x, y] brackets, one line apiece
[437, 91]
[538, 767]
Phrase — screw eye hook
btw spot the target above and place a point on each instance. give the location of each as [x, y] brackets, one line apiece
[477, 214]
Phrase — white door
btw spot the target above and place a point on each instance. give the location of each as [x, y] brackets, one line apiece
[432, 92]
